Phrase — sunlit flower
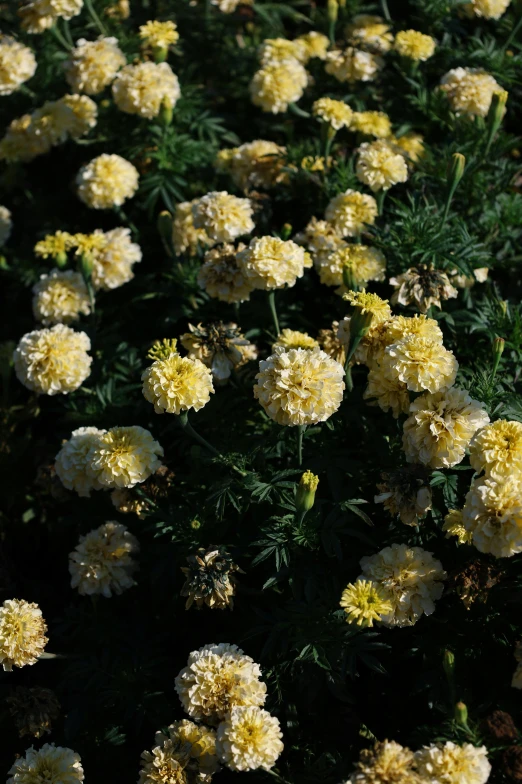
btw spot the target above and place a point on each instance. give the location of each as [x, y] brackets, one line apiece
[414, 45]
[281, 49]
[493, 515]
[352, 65]
[17, 64]
[357, 263]
[102, 561]
[106, 182]
[222, 277]
[365, 602]
[72, 461]
[488, 9]
[405, 493]
[497, 450]
[469, 90]
[36, 16]
[161, 766]
[84, 114]
[277, 84]
[92, 65]
[290, 338]
[454, 526]
[350, 212]
[370, 32]
[387, 392]
[53, 361]
[271, 263]
[449, 763]
[411, 144]
[379, 165]
[222, 216]
[22, 633]
[54, 245]
[420, 363]
[144, 88]
[257, 164]
[177, 384]
[194, 746]
[60, 298]
[114, 259]
[210, 578]
[249, 738]
[185, 236]
[316, 44]
[336, 113]
[221, 347]
[123, 457]
[386, 762]
[49, 765]
[422, 286]
[159, 35]
[376, 124]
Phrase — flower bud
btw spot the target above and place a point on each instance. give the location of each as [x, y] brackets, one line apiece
[333, 10]
[195, 524]
[61, 259]
[360, 323]
[306, 489]
[461, 714]
[165, 115]
[160, 53]
[498, 347]
[448, 663]
[86, 265]
[456, 170]
[286, 231]
[164, 225]
[496, 112]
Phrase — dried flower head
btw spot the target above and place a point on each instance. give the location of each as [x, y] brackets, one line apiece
[350, 212]
[500, 726]
[222, 216]
[469, 90]
[331, 344]
[221, 347]
[144, 88]
[17, 64]
[271, 263]
[353, 65]
[414, 45]
[210, 578]
[53, 361]
[454, 764]
[102, 562]
[422, 286]
[277, 84]
[49, 765]
[474, 580]
[365, 602]
[22, 633]
[106, 182]
[123, 457]
[405, 493]
[93, 65]
[249, 738]
[380, 165]
[222, 277]
[33, 710]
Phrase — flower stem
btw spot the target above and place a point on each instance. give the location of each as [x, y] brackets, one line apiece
[348, 376]
[59, 37]
[189, 430]
[300, 433]
[94, 16]
[385, 10]
[513, 33]
[272, 304]
[380, 200]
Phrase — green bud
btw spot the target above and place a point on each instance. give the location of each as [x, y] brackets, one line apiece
[61, 259]
[165, 115]
[461, 714]
[86, 265]
[306, 489]
[497, 111]
[456, 170]
[333, 10]
[160, 53]
[498, 347]
[164, 225]
[448, 662]
[195, 524]
[360, 323]
[286, 231]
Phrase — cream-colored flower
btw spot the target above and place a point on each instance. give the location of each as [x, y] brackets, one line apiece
[257, 164]
[376, 124]
[410, 577]
[277, 84]
[222, 216]
[222, 277]
[49, 765]
[365, 602]
[144, 88]
[316, 44]
[497, 450]
[280, 49]
[36, 16]
[331, 344]
[336, 113]
[194, 745]
[488, 9]
[22, 633]
[161, 766]
[159, 35]
[249, 738]
[493, 515]
[17, 64]
[350, 212]
[383, 334]
[387, 393]
[229, 6]
[53, 361]
[271, 263]
[22, 142]
[72, 461]
[216, 679]
[469, 90]
[380, 166]
[370, 32]
[420, 363]
[221, 347]
[84, 114]
[405, 493]
[6, 225]
[414, 45]
[440, 427]
[185, 236]
[290, 338]
[353, 65]
[386, 763]
[60, 298]
[411, 144]
[177, 384]
[358, 263]
[320, 237]
[123, 457]
[113, 262]
[299, 386]
[106, 182]
[454, 526]
[449, 763]
[92, 65]
[102, 561]
[422, 286]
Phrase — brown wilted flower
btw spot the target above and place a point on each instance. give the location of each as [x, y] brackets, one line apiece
[209, 578]
[405, 493]
[221, 347]
[500, 725]
[33, 710]
[422, 286]
[511, 763]
[331, 344]
[474, 580]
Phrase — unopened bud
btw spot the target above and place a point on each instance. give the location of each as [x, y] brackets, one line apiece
[349, 278]
[195, 524]
[333, 10]
[456, 170]
[360, 323]
[306, 489]
[86, 265]
[286, 231]
[448, 662]
[164, 225]
[461, 714]
[497, 111]
[60, 259]
[165, 115]
[498, 347]
[160, 54]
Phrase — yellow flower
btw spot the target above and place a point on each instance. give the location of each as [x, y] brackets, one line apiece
[177, 384]
[257, 164]
[493, 515]
[358, 262]
[420, 363]
[222, 277]
[38, 15]
[488, 9]
[299, 386]
[280, 49]
[315, 163]
[364, 602]
[353, 65]
[440, 427]
[92, 65]
[371, 304]
[102, 562]
[497, 449]
[72, 461]
[376, 124]
[60, 298]
[388, 393]
[370, 32]
[399, 327]
[216, 679]
[386, 763]
[17, 64]
[316, 44]
[277, 84]
[123, 457]
[54, 245]
[22, 633]
[454, 526]
[350, 212]
[453, 764]
[379, 165]
[53, 361]
[249, 738]
[87, 244]
[106, 182]
[412, 144]
[415, 45]
[469, 90]
[49, 764]
[144, 88]
[185, 236]
[159, 35]
[222, 216]
[336, 113]
[290, 338]
[271, 263]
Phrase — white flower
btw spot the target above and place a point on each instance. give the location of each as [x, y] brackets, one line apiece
[449, 763]
[49, 765]
[53, 361]
[124, 457]
[72, 461]
[17, 64]
[144, 88]
[249, 738]
[102, 561]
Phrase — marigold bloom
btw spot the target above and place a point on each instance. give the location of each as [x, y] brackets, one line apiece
[365, 302]
[440, 427]
[420, 363]
[271, 263]
[281, 49]
[316, 44]
[410, 576]
[493, 515]
[387, 392]
[352, 65]
[49, 765]
[405, 493]
[193, 746]
[376, 124]
[38, 15]
[22, 633]
[17, 64]
[336, 113]
[222, 216]
[93, 65]
[53, 361]
[488, 9]
[6, 225]
[350, 212]
[320, 237]
[469, 90]
[386, 763]
[54, 245]
[277, 84]
[102, 561]
[72, 461]
[222, 277]
[365, 602]
[453, 764]
[257, 164]
[177, 384]
[229, 6]
[370, 32]
[454, 526]
[60, 298]
[290, 338]
[422, 286]
[414, 45]
[185, 236]
[106, 182]
[216, 679]
[123, 457]
[210, 578]
[144, 88]
[249, 738]
[161, 766]
[360, 262]
[114, 258]
[411, 144]
[379, 165]
[221, 347]
[497, 449]
[159, 35]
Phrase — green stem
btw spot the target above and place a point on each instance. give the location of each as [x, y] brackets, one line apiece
[385, 10]
[272, 304]
[448, 204]
[513, 34]
[292, 107]
[331, 31]
[189, 430]
[94, 16]
[59, 37]
[330, 136]
[351, 351]
[67, 32]
[123, 217]
[300, 433]
[348, 376]
[380, 200]
[495, 368]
